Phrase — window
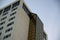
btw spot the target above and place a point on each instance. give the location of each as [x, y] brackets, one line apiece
[13, 13]
[1, 28]
[2, 23]
[7, 36]
[7, 8]
[3, 18]
[5, 14]
[12, 18]
[0, 33]
[16, 4]
[44, 35]
[10, 24]
[25, 9]
[14, 9]
[44, 39]
[8, 30]
[1, 12]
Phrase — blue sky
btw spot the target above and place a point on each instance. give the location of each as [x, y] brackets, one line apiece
[48, 11]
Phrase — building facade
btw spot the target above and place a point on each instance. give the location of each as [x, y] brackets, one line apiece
[36, 30]
[16, 22]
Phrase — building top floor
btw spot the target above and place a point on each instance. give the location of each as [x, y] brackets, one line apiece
[8, 4]
[4, 3]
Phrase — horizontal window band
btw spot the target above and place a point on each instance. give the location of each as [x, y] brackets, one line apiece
[5, 13]
[12, 18]
[9, 29]
[10, 24]
[2, 23]
[13, 13]
[1, 28]
[14, 9]
[0, 33]
[7, 36]
[7, 8]
[15, 4]
[1, 12]
[3, 18]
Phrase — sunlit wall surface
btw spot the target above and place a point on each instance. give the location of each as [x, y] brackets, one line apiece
[14, 21]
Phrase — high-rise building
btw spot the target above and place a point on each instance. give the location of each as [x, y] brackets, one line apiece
[18, 23]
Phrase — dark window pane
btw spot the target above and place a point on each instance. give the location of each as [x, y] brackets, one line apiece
[14, 9]
[12, 18]
[26, 9]
[8, 30]
[0, 33]
[16, 4]
[13, 13]
[1, 12]
[3, 18]
[7, 8]
[7, 36]
[2, 23]
[1, 28]
[10, 24]
[5, 14]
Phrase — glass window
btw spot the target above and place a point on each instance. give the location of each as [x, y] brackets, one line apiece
[12, 18]
[3, 18]
[2, 23]
[14, 9]
[7, 36]
[16, 4]
[7, 8]
[1, 12]
[0, 33]
[8, 30]
[13, 13]
[5, 13]
[25, 9]
[1, 28]
[10, 24]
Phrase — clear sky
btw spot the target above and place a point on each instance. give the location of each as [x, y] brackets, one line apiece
[48, 11]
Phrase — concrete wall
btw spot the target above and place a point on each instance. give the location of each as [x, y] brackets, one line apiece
[20, 26]
[20, 31]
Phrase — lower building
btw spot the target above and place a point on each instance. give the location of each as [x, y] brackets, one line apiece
[36, 30]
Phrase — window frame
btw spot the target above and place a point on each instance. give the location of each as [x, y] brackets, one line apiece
[15, 4]
[12, 18]
[26, 9]
[7, 36]
[13, 13]
[3, 18]
[1, 28]
[7, 8]
[8, 30]
[9, 24]
[1, 11]
[2, 23]
[5, 13]
[0, 33]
